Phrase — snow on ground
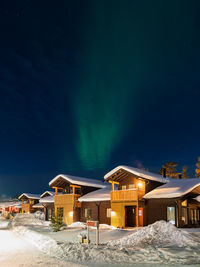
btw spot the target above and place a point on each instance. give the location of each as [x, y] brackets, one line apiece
[4, 224]
[78, 225]
[17, 252]
[42, 242]
[159, 244]
[27, 219]
[159, 234]
[39, 215]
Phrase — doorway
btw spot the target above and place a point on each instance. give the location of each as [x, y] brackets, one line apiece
[130, 216]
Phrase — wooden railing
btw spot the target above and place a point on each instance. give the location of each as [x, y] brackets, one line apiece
[126, 195]
[67, 199]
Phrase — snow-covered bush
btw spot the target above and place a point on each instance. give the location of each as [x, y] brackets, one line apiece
[39, 215]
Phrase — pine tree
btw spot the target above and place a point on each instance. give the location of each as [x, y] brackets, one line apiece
[57, 220]
[197, 170]
[185, 172]
[170, 169]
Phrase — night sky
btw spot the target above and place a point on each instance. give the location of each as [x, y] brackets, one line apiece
[89, 85]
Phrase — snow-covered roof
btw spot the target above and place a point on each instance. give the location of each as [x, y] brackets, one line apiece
[48, 199]
[174, 188]
[38, 205]
[78, 181]
[6, 204]
[98, 195]
[31, 196]
[138, 172]
[50, 193]
[197, 198]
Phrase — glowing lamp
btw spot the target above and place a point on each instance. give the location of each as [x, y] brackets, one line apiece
[71, 213]
[112, 213]
[139, 184]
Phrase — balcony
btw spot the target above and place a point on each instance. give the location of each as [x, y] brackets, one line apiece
[127, 195]
[65, 199]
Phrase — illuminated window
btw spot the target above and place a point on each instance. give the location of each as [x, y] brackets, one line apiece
[108, 213]
[123, 187]
[171, 215]
[184, 215]
[131, 186]
[184, 203]
[88, 214]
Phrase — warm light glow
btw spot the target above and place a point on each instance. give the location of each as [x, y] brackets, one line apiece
[112, 213]
[139, 184]
[71, 213]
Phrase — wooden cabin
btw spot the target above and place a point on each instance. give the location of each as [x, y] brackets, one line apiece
[129, 185]
[47, 200]
[28, 200]
[96, 206]
[176, 202]
[68, 189]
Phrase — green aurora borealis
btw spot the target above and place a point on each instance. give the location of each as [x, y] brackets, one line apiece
[123, 47]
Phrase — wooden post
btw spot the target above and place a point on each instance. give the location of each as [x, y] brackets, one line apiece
[138, 208]
[88, 237]
[97, 234]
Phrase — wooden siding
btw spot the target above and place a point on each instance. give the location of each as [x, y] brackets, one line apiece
[99, 211]
[70, 206]
[26, 207]
[67, 199]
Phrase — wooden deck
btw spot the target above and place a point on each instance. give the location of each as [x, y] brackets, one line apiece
[66, 199]
[126, 195]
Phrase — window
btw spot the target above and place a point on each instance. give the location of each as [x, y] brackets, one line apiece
[131, 186]
[184, 215]
[108, 213]
[88, 214]
[198, 217]
[184, 203]
[123, 187]
[171, 215]
[192, 216]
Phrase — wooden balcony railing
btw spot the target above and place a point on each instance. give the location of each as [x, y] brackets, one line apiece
[127, 195]
[67, 199]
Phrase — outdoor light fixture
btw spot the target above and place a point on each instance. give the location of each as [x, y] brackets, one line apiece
[139, 184]
[71, 213]
[112, 213]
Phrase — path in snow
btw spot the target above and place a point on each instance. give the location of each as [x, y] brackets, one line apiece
[15, 252]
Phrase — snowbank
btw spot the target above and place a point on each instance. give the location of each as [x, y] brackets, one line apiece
[78, 225]
[159, 243]
[42, 242]
[39, 215]
[26, 219]
[4, 224]
[161, 233]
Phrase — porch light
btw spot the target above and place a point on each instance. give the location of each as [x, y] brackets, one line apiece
[71, 213]
[113, 213]
[140, 185]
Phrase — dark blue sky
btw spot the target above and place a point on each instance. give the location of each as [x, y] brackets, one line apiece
[88, 85]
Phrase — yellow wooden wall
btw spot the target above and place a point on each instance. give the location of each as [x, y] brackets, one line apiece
[67, 203]
[118, 213]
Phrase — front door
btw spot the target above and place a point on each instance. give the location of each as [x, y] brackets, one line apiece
[130, 213]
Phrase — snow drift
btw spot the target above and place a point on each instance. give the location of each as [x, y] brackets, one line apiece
[160, 242]
[26, 219]
[159, 234]
[42, 242]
